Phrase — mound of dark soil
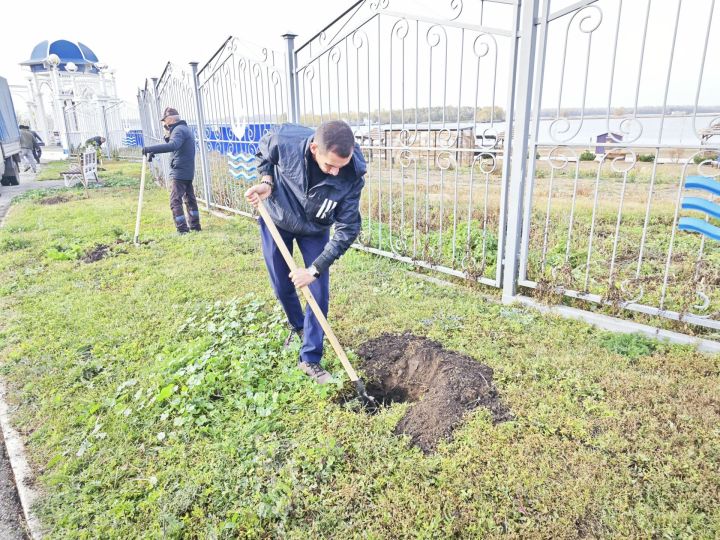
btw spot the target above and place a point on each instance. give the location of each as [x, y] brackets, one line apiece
[98, 252]
[442, 385]
[56, 199]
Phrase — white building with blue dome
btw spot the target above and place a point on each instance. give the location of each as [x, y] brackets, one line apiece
[69, 76]
[68, 51]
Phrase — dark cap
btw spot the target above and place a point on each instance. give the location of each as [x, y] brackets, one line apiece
[169, 111]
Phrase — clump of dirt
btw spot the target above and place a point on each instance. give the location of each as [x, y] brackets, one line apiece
[57, 199]
[100, 251]
[443, 385]
[95, 254]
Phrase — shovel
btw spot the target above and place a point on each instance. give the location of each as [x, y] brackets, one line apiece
[367, 400]
[140, 200]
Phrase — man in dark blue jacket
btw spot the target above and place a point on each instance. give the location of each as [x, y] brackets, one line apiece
[179, 140]
[310, 181]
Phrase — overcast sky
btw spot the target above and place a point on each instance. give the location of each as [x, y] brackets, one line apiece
[138, 37]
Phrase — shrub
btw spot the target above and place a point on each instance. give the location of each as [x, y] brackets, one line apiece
[703, 157]
[631, 346]
[13, 244]
[587, 155]
[61, 252]
[647, 158]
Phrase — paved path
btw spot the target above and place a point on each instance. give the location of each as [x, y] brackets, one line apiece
[27, 182]
[12, 521]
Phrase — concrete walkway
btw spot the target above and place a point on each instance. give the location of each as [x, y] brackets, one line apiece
[12, 521]
[27, 182]
[13, 467]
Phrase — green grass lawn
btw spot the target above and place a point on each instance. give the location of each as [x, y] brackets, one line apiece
[52, 170]
[113, 169]
[157, 401]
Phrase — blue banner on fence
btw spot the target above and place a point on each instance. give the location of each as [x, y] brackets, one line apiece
[224, 138]
[242, 166]
[133, 138]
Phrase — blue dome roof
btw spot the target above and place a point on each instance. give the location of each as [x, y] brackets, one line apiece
[69, 51]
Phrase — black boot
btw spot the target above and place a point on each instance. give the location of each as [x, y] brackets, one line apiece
[181, 225]
[195, 220]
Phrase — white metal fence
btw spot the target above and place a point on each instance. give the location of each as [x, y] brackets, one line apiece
[174, 88]
[563, 147]
[115, 120]
[615, 229]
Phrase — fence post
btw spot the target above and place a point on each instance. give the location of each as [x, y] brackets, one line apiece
[157, 132]
[141, 99]
[201, 135]
[155, 105]
[106, 132]
[293, 106]
[41, 116]
[522, 81]
[59, 108]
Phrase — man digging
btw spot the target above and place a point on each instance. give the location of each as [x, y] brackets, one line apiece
[309, 181]
[179, 140]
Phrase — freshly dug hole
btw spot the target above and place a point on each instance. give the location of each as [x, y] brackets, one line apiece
[98, 252]
[442, 385]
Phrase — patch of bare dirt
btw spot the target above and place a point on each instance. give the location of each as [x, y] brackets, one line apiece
[97, 253]
[443, 385]
[56, 199]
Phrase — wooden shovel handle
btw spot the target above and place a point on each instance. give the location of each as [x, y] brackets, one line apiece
[307, 294]
[136, 239]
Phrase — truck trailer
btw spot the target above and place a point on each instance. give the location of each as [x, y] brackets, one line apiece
[9, 138]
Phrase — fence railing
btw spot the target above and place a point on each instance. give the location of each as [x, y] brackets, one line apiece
[606, 229]
[124, 130]
[115, 120]
[242, 92]
[507, 143]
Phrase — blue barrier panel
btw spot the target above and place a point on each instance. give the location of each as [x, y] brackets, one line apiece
[699, 226]
[705, 183]
[701, 205]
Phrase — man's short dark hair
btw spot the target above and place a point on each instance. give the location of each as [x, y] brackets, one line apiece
[335, 136]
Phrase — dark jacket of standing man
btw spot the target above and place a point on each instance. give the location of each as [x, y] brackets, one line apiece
[310, 180]
[179, 140]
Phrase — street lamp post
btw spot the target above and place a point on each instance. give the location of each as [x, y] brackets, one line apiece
[53, 60]
[38, 110]
[102, 106]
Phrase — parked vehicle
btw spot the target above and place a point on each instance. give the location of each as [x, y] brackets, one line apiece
[9, 138]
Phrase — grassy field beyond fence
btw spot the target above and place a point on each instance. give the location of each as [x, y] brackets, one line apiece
[157, 401]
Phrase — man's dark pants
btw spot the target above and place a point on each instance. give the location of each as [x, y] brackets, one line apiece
[182, 190]
[310, 247]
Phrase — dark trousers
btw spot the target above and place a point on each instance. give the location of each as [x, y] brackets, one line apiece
[310, 247]
[182, 191]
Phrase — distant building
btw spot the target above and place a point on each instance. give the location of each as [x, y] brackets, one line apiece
[436, 136]
[69, 75]
[606, 137]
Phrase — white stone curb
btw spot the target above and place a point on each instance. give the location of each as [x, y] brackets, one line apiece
[24, 477]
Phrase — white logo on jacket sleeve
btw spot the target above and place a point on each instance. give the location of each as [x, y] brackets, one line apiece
[326, 207]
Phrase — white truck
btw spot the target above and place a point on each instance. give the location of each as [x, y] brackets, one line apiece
[9, 138]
